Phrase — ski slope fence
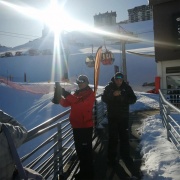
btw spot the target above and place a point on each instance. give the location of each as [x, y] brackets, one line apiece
[36, 88]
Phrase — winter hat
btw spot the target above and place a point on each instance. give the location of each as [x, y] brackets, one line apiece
[118, 75]
[82, 79]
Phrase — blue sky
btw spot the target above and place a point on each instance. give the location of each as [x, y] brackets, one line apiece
[14, 26]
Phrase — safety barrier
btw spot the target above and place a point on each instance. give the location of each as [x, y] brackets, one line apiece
[34, 88]
[170, 116]
[49, 147]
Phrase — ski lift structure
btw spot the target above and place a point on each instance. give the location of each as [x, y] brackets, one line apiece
[90, 60]
[107, 57]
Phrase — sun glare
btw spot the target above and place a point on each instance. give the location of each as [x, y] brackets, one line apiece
[28, 11]
[59, 21]
[55, 17]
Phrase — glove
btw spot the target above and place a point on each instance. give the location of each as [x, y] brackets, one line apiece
[57, 93]
[64, 92]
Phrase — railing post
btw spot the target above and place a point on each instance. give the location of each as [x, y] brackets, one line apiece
[60, 148]
[162, 110]
[160, 105]
[168, 127]
[58, 162]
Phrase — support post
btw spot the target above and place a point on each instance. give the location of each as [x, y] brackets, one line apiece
[124, 60]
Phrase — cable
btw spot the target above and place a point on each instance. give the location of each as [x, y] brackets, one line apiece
[17, 35]
[145, 32]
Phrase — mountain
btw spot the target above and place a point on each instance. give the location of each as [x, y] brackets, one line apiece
[4, 48]
[45, 68]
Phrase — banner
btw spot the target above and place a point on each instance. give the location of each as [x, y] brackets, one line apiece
[97, 68]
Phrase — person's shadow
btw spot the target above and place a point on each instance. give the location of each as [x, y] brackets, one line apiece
[102, 170]
[116, 173]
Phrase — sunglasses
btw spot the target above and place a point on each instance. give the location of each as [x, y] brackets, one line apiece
[119, 77]
[79, 81]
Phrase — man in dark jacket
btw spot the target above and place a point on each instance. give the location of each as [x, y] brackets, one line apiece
[81, 119]
[118, 95]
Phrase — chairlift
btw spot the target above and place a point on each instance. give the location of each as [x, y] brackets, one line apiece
[90, 60]
[107, 57]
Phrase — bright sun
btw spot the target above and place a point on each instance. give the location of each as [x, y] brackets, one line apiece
[56, 18]
[58, 21]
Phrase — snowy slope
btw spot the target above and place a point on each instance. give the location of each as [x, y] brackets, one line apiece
[40, 68]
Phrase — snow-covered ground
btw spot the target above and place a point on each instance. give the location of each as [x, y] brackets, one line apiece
[162, 160]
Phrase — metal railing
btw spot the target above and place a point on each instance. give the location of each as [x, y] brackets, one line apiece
[170, 116]
[49, 147]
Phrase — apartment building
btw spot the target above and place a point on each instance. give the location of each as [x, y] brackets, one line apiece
[140, 13]
[105, 19]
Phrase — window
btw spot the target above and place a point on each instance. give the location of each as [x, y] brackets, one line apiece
[173, 82]
[170, 70]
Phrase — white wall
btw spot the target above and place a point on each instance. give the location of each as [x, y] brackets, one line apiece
[161, 70]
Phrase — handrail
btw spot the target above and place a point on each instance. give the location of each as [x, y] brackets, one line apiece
[170, 117]
[35, 131]
[49, 147]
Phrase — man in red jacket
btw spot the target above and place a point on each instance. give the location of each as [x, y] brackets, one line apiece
[81, 119]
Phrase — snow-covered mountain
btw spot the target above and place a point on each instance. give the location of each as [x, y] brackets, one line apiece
[4, 48]
[40, 68]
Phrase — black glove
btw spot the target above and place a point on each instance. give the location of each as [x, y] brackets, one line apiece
[57, 93]
[64, 92]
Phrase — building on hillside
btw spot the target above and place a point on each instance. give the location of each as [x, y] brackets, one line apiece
[105, 19]
[140, 13]
[166, 19]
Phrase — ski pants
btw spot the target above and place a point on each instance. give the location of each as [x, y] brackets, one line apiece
[118, 134]
[83, 146]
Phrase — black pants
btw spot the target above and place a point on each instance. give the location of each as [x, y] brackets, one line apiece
[119, 134]
[118, 131]
[83, 145]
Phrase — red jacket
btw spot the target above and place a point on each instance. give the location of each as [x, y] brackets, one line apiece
[81, 102]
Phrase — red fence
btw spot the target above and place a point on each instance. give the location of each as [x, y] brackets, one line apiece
[36, 88]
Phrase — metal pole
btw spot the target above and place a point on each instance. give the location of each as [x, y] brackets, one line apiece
[7, 76]
[124, 60]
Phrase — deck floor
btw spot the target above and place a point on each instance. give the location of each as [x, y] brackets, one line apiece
[101, 169]
[120, 172]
